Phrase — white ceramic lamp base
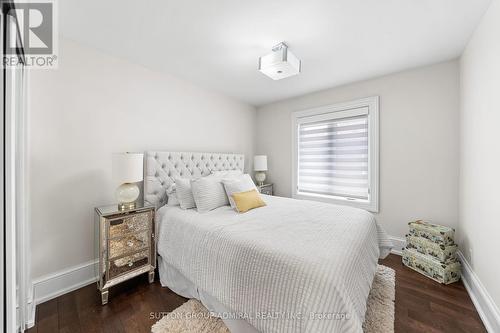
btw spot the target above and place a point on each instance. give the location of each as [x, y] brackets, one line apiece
[260, 177]
[127, 194]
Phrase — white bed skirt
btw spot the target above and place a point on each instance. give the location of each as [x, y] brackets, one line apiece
[178, 283]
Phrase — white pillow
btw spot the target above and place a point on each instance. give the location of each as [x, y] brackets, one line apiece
[208, 193]
[184, 193]
[227, 173]
[172, 196]
[241, 184]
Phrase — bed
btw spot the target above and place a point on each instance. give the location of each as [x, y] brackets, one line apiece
[292, 266]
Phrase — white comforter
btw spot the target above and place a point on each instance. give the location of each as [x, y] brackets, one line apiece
[292, 266]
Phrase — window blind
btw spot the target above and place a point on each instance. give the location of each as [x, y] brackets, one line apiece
[333, 157]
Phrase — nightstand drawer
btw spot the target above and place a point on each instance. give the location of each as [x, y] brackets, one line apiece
[267, 191]
[133, 223]
[128, 244]
[129, 263]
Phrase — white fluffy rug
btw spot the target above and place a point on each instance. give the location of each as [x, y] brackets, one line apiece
[193, 317]
[379, 316]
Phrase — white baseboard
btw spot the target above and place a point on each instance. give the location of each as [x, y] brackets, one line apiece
[50, 286]
[485, 306]
[399, 243]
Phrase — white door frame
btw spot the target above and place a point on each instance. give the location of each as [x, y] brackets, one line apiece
[17, 281]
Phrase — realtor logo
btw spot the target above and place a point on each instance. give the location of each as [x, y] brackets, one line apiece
[32, 27]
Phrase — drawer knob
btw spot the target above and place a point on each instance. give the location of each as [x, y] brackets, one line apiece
[130, 264]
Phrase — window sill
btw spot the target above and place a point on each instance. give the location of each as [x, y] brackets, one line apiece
[369, 206]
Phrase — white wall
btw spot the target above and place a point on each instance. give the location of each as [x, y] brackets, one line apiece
[418, 142]
[479, 224]
[94, 105]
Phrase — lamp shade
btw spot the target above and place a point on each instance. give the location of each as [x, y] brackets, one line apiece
[128, 167]
[260, 163]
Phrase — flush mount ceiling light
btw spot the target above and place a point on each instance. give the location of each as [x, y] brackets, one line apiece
[279, 64]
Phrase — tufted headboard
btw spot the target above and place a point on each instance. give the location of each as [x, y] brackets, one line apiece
[160, 169]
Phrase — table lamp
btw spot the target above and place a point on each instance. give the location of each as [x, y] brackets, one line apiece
[260, 165]
[127, 170]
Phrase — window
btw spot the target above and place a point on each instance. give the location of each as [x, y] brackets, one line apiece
[335, 154]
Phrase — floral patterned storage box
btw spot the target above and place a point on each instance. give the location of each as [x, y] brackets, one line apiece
[435, 233]
[445, 253]
[439, 271]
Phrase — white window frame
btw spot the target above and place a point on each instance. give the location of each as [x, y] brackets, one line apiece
[343, 110]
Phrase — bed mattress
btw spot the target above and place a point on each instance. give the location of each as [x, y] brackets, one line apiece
[292, 266]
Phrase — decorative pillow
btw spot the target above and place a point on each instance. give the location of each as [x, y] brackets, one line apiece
[208, 193]
[245, 201]
[184, 193]
[241, 184]
[172, 196]
[227, 173]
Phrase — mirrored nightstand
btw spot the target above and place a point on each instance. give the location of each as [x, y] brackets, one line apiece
[125, 245]
[266, 189]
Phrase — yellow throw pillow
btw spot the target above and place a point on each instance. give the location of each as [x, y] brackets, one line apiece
[245, 201]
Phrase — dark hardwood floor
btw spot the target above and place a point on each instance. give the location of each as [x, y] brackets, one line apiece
[422, 305]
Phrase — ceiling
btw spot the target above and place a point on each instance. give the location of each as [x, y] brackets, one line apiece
[216, 44]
